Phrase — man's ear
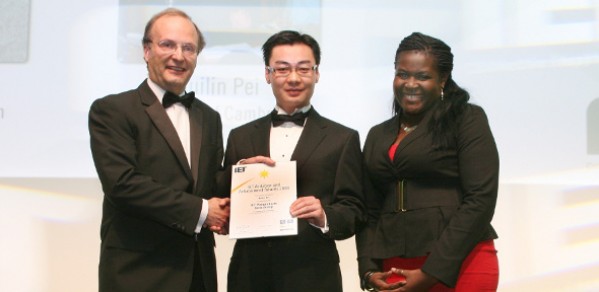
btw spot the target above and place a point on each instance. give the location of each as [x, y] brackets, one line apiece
[267, 75]
[146, 52]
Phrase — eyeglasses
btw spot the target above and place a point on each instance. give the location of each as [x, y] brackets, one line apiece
[302, 70]
[170, 47]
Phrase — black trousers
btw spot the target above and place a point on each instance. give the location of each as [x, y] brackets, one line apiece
[197, 281]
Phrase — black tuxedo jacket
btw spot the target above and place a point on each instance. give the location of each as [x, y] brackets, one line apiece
[329, 167]
[448, 196]
[152, 197]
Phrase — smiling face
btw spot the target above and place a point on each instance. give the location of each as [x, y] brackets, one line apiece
[417, 84]
[292, 91]
[171, 69]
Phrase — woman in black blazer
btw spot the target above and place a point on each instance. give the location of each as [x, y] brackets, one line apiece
[431, 182]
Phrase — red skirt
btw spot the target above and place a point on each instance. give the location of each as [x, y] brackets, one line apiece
[479, 272]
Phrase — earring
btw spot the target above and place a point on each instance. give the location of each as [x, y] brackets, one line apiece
[442, 95]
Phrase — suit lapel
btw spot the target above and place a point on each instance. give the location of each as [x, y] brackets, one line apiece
[164, 125]
[195, 126]
[414, 136]
[312, 135]
[261, 137]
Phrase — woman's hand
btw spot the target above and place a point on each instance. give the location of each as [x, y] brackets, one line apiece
[378, 281]
[416, 280]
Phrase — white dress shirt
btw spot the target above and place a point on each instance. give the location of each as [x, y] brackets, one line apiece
[283, 138]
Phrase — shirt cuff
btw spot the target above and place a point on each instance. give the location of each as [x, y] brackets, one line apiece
[324, 229]
[203, 215]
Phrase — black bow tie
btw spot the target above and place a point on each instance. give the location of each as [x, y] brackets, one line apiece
[297, 118]
[171, 98]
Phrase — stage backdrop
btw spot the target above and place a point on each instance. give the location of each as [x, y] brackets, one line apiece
[532, 65]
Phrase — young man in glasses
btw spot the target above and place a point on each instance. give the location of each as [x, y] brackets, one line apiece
[329, 173]
[157, 152]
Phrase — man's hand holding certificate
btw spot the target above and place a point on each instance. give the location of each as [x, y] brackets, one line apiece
[260, 199]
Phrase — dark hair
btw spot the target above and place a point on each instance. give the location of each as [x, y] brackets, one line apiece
[171, 12]
[290, 37]
[445, 112]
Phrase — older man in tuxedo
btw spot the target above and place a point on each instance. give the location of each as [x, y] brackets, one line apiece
[329, 175]
[157, 151]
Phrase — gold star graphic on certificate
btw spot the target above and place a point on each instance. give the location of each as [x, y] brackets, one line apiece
[264, 174]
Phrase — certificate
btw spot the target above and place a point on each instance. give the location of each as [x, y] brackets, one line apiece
[260, 199]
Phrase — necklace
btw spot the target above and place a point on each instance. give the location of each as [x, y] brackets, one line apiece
[407, 129]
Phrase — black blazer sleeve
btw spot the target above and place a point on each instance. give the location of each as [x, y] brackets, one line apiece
[346, 212]
[478, 164]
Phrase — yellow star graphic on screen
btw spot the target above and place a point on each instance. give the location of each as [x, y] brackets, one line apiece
[264, 174]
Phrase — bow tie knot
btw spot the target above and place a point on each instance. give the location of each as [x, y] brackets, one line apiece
[171, 98]
[297, 118]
